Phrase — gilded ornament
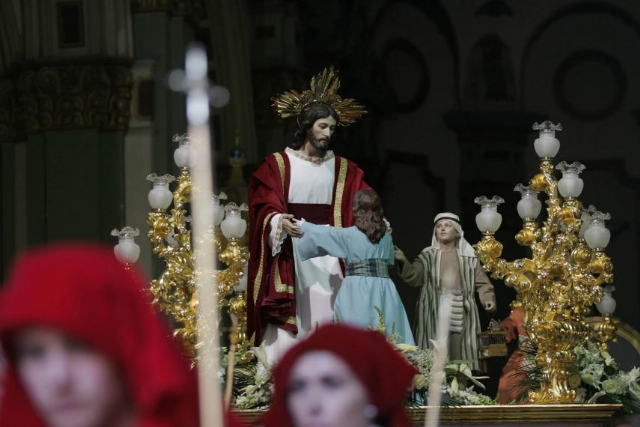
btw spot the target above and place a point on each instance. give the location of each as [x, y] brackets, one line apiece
[174, 292]
[322, 89]
[563, 278]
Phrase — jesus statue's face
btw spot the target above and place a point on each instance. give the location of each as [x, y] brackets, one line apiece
[321, 132]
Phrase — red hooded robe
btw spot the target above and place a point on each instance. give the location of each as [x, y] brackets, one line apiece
[83, 291]
[383, 371]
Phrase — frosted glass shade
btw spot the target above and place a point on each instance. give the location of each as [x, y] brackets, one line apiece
[528, 206]
[160, 197]
[547, 145]
[182, 156]
[570, 185]
[607, 304]
[488, 220]
[127, 250]
[597, 235]
[233, 225]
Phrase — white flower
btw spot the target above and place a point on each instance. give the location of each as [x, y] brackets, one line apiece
[574, 381]
[611, 386]
[608, 360]
[632, 376]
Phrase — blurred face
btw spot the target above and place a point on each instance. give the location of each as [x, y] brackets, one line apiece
[321, 132]
[69, 384]
[324, 392]
[445, 231]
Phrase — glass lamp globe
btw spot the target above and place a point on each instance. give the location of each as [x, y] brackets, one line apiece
[607, 304]
[183, 156]
[488, 220]
[597, 235]
[570, 185]
[127, 250]
[233, 226]
[546, 145]
[160, 197]
[529, 206]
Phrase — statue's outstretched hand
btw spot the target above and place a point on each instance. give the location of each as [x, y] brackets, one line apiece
[289, 225]
[398, 254]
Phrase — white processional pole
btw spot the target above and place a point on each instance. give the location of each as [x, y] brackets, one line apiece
[432, 414]
[197, 89]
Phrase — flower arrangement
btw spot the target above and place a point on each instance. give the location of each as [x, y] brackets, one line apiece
[252, 376]
[600, 380]
[457, 375]
[252, 381]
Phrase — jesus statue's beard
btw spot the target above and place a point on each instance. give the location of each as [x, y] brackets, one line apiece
[318, 143]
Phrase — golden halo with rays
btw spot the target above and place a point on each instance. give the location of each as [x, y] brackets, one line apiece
[322, 89]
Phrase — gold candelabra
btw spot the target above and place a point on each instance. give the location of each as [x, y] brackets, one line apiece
[170, 235]
[562, 279]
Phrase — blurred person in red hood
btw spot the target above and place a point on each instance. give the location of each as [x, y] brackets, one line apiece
[85, 348]
[341, 376]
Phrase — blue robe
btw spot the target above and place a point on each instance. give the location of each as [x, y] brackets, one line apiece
[359, 295]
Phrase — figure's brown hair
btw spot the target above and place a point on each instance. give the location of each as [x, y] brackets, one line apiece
[368, 214]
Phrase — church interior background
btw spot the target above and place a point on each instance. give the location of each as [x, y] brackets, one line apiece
[452, 89]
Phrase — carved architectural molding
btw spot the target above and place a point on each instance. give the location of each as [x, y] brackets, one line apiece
[66, 96]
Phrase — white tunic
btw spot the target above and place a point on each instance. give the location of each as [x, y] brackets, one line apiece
[317, 280]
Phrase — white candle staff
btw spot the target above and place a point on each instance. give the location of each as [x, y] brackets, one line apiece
[437, 372]
[197, 85]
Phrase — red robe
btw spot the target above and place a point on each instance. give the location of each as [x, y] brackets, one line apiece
[510, 385]
[271, 287]
[82, 290]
